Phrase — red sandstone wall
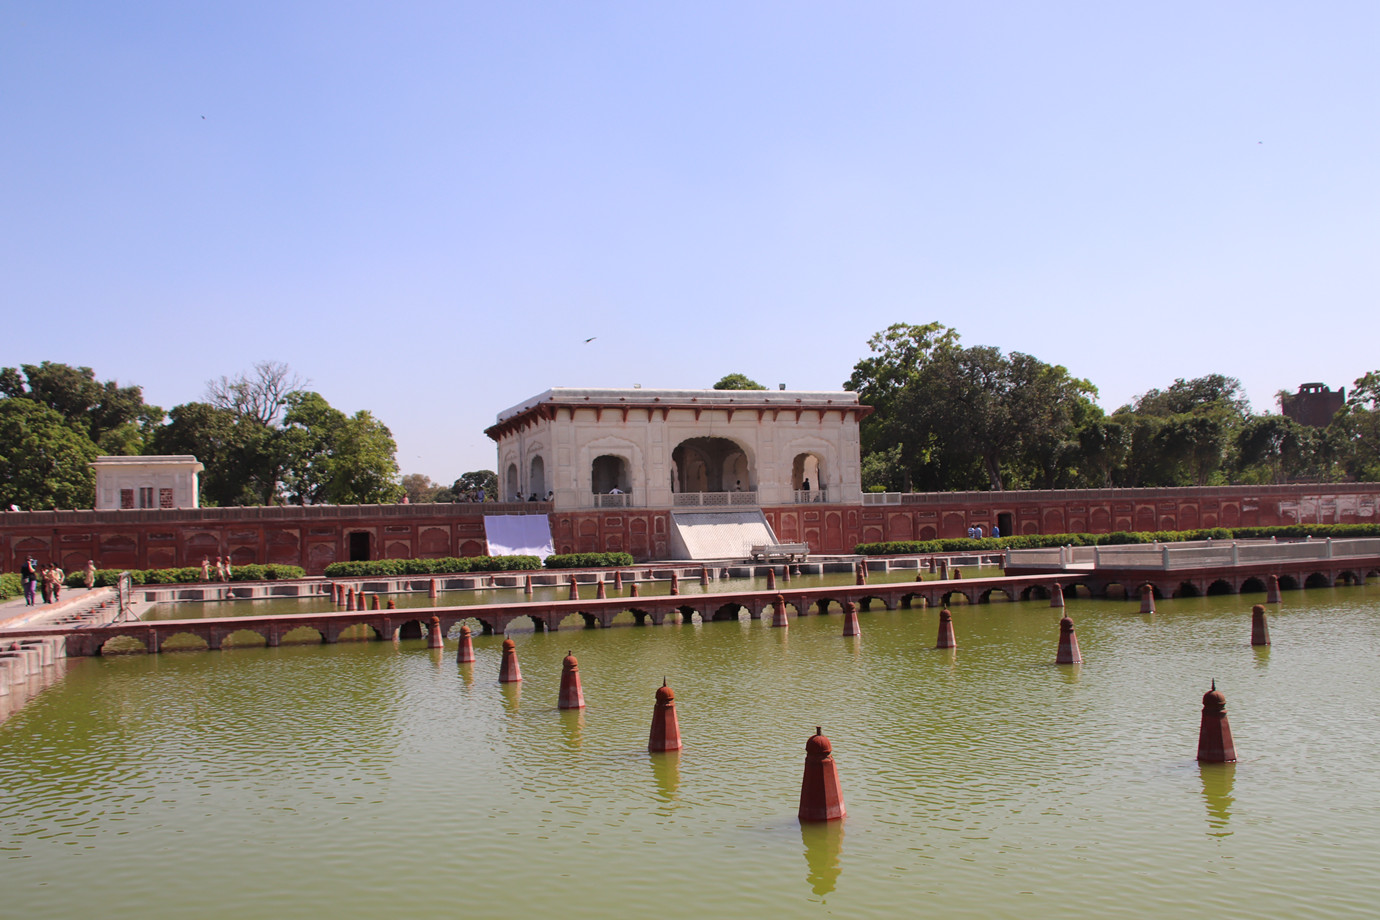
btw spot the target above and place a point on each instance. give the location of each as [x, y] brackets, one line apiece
[315, 537]
[310, 537]
[835, 528]
[645, 533]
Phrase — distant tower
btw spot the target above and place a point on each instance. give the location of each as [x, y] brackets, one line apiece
[1314, 404]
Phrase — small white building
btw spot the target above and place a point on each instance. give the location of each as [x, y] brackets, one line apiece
[147, 482]
[636, 448]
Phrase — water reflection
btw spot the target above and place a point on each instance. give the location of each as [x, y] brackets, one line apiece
[823, 849]
[467, 673]
[1217, 788]
[23, 691]
[1262, 656]
[666, 775]
[512, 697]
[572, 727]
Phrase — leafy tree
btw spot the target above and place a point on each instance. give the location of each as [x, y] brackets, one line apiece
[738, 382]
[241, 455]
[1211, 393]
[475, 480]
[331, 458]
[950, 417]
[1275, 443]
[421, 490]
[883, 469]
[45, 463]
[886, 379]
[1102, 445]
[1186, 434]
[1195, 443]
[110, 415]
[1355, 431]
[1047, 407]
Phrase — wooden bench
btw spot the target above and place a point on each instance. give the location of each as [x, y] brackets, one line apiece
[792, 552]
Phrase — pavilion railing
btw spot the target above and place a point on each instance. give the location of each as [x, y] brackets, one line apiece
[714, 499]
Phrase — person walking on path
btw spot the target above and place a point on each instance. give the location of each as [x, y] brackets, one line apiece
[220, 569]
[55, 576]
[205, 569]
[90, 574]
[28, 575]
[229, 574]
[45, 583]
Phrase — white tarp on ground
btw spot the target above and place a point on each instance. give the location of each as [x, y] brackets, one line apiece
[718, 534]
[519, 535]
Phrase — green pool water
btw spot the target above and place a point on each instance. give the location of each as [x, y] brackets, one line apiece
[375, 779]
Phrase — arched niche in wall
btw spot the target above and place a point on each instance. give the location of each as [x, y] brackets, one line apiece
[712, 464]
[609, 472]
[536, 477]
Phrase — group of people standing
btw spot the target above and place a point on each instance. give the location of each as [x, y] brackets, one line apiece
[976, 533]
[48, 580]
[222, 568]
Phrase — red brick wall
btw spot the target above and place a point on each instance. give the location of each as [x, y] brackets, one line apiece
[317, 536]
[646, 533]
[1104, 511]
[310, 537]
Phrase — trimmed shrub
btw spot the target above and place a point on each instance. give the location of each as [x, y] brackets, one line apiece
[1316, 531]
[588, 560]
[257, 572]
[445, 566]
[107, 578]
[10, 586]
[1041, 541]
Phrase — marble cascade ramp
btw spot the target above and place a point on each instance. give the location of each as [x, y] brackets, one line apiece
[718, 534]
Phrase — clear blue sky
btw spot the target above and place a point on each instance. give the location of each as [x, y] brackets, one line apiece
[426, 208]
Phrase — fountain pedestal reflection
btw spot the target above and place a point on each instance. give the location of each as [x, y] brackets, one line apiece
[823, 842]
[666, 775]
[1218, 779]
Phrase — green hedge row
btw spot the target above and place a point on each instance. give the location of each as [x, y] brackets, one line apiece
[10, 586]
[447, 566]
[1316, 531]
[588, 560]
[187, 575]
[1036, 541]
[1047, 540]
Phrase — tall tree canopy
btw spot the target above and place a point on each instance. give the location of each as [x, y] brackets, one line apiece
[737, 382]
[113, 417]
[240, 454]
[57, 419]
[331, 458]
[952, 417]
[477, 481]
[45, 462]
[1356, 429]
